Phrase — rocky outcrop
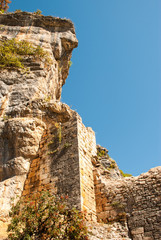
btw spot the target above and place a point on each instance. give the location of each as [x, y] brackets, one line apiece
[29, 98]
[57, 37]
[105, 166]
[44, 144]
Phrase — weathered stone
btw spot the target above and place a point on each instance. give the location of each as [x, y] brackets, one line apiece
[44, 144]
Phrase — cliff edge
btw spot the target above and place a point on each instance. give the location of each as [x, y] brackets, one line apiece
[44, 144]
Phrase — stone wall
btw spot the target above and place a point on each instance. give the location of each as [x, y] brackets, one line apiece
[135, 200]
[30, 99]
[56, 166]
[112, 231]
[44, 144]
[87, 152]
[63, 164]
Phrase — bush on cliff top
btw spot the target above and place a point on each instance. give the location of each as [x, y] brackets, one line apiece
[45, 217]
[12, 52]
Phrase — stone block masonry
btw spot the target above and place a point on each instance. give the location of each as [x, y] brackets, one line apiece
[45, 146]
[135, 200]
[87, 152]
[63, 164]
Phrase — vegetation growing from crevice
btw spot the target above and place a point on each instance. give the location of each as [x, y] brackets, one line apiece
[12, 53]
[67, 145]
[125, 174]
[112, 164]
[102, 153]
[120, 209]
[70, 63]
[38, 12]
[46, 217]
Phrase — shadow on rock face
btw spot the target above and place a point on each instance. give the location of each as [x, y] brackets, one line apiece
[20, 143]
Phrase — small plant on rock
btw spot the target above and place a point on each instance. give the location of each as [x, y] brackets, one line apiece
[12, 52]
[70, 63]
[38, 12]
[125, 174]
[67, 145]
[101, 153]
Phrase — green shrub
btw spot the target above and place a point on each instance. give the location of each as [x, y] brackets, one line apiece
[70, 63]
[1, 11]
[45, 217]
[12, 53]
[38, 12]
[101, 153]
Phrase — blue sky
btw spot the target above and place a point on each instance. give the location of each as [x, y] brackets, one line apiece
[115, 79]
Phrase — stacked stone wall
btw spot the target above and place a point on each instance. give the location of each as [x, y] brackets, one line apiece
[135, 200]
[87, 151]
[45, 146]
[64, 164]
[56, 166]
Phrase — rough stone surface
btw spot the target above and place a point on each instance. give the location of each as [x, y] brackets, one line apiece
[135, 200]
[10, 190]
[57, 37]
[59, 164]
[27, 98]
[44, 144]
[19, 140]
[113, 231]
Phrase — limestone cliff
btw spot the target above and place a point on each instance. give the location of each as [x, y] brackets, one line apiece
[28, 99]
[44, 144]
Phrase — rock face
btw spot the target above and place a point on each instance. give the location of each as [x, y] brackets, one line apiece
[56, 36]
[44, 144]
[25, 96]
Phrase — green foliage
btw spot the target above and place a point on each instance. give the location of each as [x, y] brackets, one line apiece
[45, 217]
[52, 152]
[1, 11]
[70, 63]
[47, 98]
[5, 117]
[112, 164]
[4, 5]
[117, 205]
[120, 208]
[12, 52]
[38, 12]
[50, 143]
[59, 131]
[125, 174]
[101, 153]
[66, 145]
